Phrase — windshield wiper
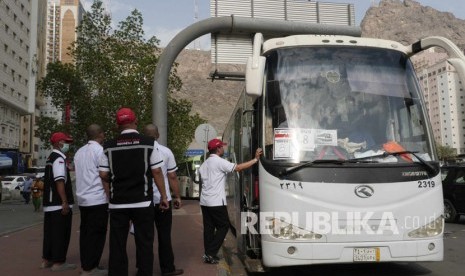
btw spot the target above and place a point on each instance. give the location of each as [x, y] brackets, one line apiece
[289, 170]
[430, 168]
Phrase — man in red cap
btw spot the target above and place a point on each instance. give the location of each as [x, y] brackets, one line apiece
[58, 203]
[131, 159]
[213, 173]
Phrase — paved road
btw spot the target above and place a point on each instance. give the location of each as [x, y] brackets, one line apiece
[21, 242]
[453, 264]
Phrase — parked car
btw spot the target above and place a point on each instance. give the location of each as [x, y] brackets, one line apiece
[13, 182]
[453, 182]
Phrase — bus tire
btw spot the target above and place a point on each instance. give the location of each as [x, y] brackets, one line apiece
[450, 213]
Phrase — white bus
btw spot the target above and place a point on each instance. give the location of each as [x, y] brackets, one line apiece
[349, 171]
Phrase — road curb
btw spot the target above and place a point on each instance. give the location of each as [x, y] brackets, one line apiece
[230, 263]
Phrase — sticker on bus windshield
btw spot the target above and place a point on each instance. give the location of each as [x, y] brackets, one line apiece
[283, 148]
[326, 137]
[288, 142]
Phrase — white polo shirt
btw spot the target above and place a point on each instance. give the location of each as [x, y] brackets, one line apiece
[213, 172]
[89, 188]
[170, 166]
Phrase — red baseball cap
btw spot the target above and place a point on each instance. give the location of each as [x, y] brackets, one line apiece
[215, 143]
[125, 116]
[59, 136]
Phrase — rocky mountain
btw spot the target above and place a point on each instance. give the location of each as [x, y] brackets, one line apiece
[408, 21]
[404, 21]
[213, 100]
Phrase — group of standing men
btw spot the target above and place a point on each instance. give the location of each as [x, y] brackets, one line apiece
[115, 181]
[112, 181]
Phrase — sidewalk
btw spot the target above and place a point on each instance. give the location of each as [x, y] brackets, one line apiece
[20, 251]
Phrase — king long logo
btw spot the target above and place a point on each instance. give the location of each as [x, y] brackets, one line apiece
[364, 191]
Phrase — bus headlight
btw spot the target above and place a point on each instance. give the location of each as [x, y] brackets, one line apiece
[287, 231]
[432, 229]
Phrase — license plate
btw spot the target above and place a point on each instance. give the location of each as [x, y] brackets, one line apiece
[369, 254]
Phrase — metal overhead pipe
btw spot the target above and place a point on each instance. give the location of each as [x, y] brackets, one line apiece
[227, 24]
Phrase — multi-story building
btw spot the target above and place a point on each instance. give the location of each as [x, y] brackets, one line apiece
[444, 98]
[63, 16]
[19, 53]
[32, 33]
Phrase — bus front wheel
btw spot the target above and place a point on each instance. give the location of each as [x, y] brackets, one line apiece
[450, 213]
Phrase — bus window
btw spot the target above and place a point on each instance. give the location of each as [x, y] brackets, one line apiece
[323, 103]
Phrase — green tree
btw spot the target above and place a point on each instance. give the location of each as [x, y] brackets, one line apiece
[446, 152]
[181, 125]
[65, 88]
[113, 69]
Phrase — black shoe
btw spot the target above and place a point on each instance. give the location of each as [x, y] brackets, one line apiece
[174, 272]
[210, 259]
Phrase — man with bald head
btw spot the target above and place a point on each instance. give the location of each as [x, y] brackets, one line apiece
[164, 218]
[93, 202]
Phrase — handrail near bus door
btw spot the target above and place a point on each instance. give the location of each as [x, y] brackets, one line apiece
[456, 57]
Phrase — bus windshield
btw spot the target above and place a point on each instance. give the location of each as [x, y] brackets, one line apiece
[343, 103]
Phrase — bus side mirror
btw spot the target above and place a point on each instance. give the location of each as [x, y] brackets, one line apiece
[254, 75]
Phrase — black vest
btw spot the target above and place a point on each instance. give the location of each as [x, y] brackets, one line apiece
[51, 196]
[129, 163]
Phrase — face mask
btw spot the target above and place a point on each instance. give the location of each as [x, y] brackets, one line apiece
[65, 148]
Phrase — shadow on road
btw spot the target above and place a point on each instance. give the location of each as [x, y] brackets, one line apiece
[382, 269]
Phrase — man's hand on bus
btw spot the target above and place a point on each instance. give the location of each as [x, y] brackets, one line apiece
[258, 152]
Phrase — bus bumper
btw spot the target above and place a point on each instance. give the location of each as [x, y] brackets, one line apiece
[277, 254]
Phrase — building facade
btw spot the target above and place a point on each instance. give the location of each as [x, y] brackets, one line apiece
[63, 16]
[32, 34]
[444, 98]
[20, 50]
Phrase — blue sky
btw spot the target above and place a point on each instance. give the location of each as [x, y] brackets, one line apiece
[165, 18]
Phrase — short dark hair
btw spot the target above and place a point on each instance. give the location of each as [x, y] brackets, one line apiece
[93, 131]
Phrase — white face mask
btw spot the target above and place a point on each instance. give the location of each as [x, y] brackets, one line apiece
[65, 148]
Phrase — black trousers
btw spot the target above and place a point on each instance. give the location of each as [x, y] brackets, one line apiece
[27, 197]
[57, 234]
[215, 227]
[163, 222]
[92, 234]
[142, 219]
